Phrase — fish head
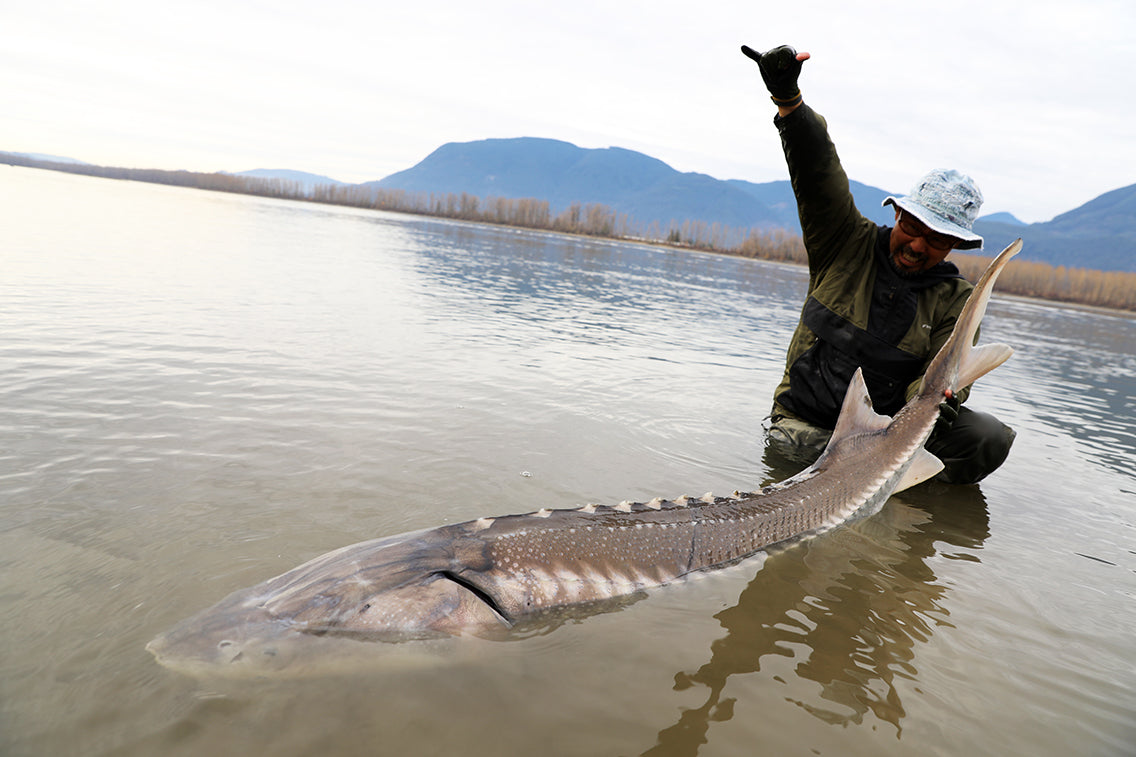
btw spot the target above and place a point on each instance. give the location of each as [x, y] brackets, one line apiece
[399, 589]
[235, 637]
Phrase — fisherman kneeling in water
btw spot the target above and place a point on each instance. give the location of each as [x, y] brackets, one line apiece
[881, 299]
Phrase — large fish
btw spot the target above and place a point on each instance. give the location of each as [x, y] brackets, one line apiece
[483, 577]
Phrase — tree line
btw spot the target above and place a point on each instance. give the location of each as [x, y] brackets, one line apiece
[1109, 289]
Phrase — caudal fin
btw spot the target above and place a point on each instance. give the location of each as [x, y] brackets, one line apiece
[981, 360]
[959, 363]
[978, 361]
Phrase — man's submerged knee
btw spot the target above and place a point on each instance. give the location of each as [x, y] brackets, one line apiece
[797, 439]
[976, 445]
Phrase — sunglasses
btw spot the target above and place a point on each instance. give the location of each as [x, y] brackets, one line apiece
[913, 227]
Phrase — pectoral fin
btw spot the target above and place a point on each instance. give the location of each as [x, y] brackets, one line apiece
[923, 466]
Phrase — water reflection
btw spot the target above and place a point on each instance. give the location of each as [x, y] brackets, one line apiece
[586, 289]
[1074, 370]
[858, 601]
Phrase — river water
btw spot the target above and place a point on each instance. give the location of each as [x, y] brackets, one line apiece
[199, 391]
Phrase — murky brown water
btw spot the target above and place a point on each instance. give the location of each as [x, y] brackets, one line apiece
[199, 391]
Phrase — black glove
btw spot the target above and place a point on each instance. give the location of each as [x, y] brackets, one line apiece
[779, 68]
[948, 414]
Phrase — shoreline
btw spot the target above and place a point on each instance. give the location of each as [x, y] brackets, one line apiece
[1107, 291]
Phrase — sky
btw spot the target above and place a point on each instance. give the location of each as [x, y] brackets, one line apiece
[1034, 100]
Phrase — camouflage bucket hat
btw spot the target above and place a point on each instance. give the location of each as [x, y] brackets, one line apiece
[947, 202]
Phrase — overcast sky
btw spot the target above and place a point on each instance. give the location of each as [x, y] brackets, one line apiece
[1036, 101]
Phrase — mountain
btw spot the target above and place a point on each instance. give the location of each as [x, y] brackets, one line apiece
[1100, 234]
[305, 180]
[630, 182]
[645, 188]
[1005, 218]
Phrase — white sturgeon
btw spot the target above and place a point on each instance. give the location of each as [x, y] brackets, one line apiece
[484, 576]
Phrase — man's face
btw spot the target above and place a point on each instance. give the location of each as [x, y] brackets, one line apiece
[914, 247]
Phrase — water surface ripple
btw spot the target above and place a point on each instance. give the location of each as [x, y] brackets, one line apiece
[199, 391]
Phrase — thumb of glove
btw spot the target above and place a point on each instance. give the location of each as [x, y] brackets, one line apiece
[779, 68]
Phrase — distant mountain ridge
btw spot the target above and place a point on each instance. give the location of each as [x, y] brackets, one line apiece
[306, 180]
[645, 188]
[1101, 234]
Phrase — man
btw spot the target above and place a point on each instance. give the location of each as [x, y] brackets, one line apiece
[879, 298]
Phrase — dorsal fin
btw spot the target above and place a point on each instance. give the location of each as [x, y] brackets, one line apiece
[856, 414]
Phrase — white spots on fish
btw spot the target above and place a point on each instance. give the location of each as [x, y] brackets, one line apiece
[598, 559]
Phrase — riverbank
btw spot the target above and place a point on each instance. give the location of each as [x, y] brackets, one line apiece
[1113, 290]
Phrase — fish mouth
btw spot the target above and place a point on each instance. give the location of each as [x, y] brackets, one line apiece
[224, 643]
[304, 656]
[223, 658]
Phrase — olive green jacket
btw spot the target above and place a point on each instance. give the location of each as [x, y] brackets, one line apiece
[846, 252]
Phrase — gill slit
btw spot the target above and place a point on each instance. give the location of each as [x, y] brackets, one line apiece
[478, 592]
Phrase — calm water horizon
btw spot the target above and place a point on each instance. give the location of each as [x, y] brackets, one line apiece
[199, 391]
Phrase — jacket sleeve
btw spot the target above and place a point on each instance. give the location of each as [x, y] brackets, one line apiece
[828, 214]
